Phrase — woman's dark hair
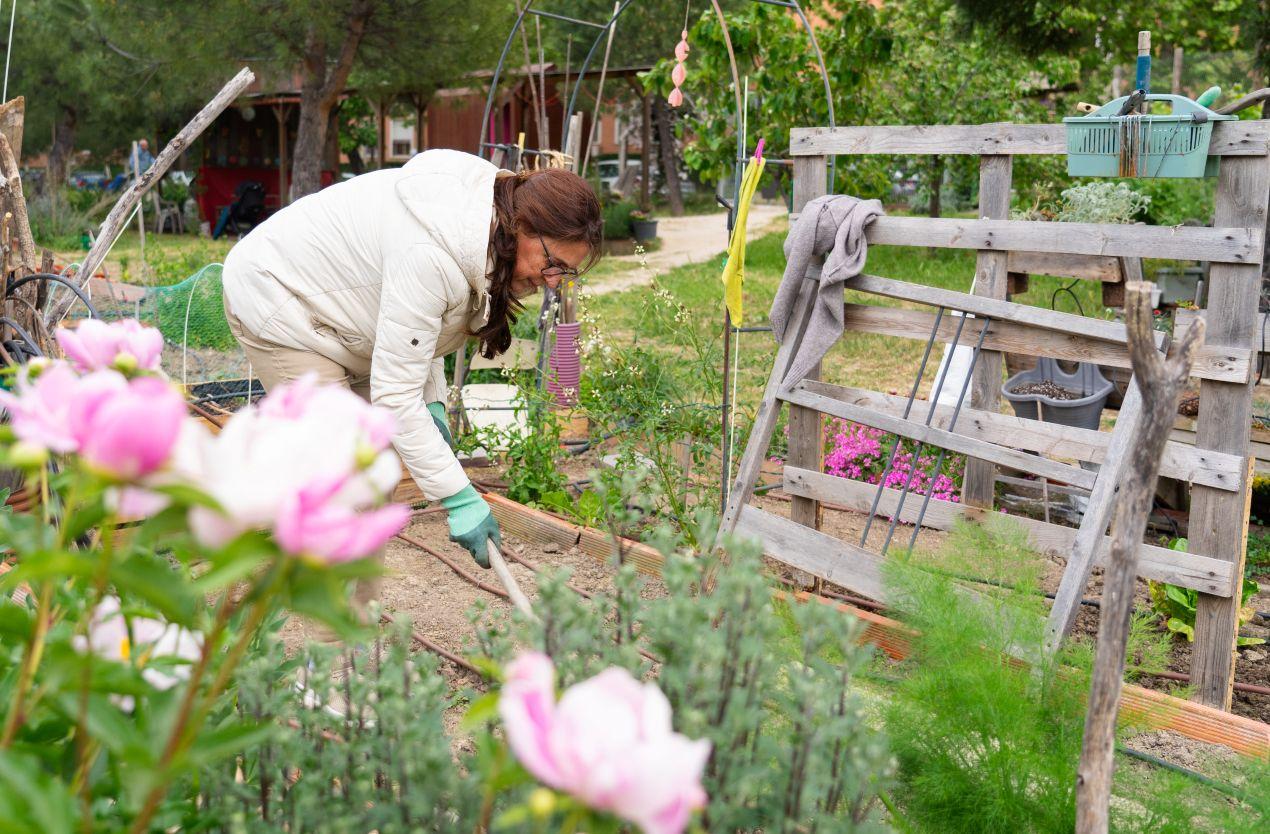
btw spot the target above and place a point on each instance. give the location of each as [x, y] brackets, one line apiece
[553, 203]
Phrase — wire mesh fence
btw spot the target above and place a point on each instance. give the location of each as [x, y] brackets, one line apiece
[199, 351]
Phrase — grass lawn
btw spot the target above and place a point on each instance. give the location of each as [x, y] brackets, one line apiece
[865, 360]
[168, 258]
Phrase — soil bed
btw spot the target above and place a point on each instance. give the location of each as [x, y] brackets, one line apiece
[1046, 388]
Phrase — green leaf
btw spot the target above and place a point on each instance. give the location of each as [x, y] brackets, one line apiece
[84, 519]
[1184, 597]
[15, 622]
[44, 804]
[483, 709]
[228, 740]
[155, 581]
[1177, 626]
[1249, 641]
[109, 724]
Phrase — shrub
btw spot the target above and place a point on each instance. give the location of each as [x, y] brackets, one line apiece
[617, 220]
[55, 222]
[1102, 202]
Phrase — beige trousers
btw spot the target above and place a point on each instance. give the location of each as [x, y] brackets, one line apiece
[275, 365]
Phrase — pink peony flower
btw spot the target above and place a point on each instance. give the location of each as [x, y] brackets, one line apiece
[308, 456]
[608, 743]
[311, 524]
[126, 429]
[40, 410]
[124, 345]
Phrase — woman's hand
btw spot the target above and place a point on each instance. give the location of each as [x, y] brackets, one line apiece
[471, 523]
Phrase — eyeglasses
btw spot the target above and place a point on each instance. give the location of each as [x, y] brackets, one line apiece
[554, 269]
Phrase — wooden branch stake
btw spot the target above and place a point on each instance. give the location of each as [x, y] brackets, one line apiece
[118, 217]
[1158, 380]
[11, 187]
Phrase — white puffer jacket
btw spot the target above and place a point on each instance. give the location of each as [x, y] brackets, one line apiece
[384, 274]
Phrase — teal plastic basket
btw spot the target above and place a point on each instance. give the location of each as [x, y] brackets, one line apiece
[1103, 144]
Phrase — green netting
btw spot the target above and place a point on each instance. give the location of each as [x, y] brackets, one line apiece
[198, 347]
[192, 313]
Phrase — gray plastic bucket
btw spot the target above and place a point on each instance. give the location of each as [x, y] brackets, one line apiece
[1083, 413]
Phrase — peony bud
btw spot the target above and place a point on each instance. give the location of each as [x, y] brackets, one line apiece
[28, 456]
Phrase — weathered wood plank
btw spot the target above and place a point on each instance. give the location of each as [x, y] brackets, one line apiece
[1181, 460]
[1088, 267]
[1187, 570]
[808, 395]
[1231, 364]
[992, 282]
[1108, 331]
[806, 427]
[1240, 138]
[1219, 520]
[1233, 244]
[809, 550]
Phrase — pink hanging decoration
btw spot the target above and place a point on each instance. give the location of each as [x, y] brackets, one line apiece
[680, 72]
[566, 368]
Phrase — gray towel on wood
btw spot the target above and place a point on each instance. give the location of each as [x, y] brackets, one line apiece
[832, 226]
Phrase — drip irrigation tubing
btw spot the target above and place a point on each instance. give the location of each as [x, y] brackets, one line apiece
[49, 276]
[454, 566]
[411, 540]
[435, 648]
[1216, 784]
[1250, 688]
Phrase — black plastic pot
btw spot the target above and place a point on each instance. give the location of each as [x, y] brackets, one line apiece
[644, 230]
[1084, 412]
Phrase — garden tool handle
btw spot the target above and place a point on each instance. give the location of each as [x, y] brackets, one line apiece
[504, 573]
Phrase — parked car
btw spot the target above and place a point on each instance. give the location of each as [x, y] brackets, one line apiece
[87, 179]
[609, 170]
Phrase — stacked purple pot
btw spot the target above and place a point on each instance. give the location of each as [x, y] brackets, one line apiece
[566, 367]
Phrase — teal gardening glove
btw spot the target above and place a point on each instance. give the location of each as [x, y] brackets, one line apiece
[471, 523]
[437, 410]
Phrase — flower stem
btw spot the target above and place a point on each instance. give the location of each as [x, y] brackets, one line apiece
[190, 720]
[30, 662]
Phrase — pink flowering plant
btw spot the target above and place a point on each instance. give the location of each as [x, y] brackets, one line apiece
[861, 453]
[154, 552]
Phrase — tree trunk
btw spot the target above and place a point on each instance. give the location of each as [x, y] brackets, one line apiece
[667, 153]
[63, 148]
[935, 184]
[356, 162]
[645, 153]
[1159, 381]
[320, 89]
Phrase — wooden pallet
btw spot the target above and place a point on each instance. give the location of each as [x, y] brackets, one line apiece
[1217, 467]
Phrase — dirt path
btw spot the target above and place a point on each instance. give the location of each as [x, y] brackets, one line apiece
[685, 240]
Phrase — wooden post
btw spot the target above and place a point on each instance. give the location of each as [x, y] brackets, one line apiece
[1117, 81]
[1177, 70]
[1219, 519]
[806, 425]
[1159, 381]
[991, 271]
